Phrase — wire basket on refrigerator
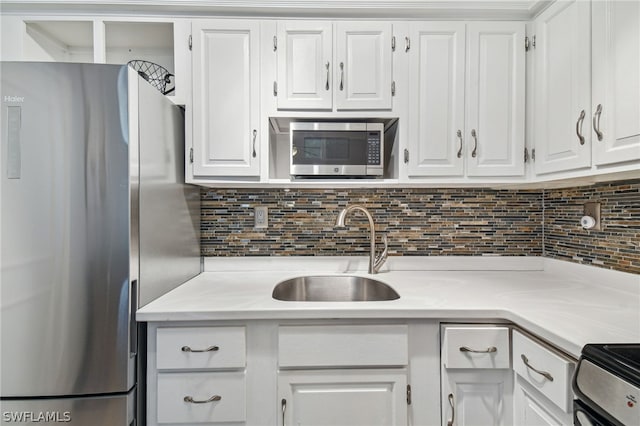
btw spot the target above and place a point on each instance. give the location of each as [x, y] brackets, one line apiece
[155, 74]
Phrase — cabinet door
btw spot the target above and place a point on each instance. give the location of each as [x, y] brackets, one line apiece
[563, 86]
[495, 99]
[616, 81]
[478, 397]
[226, 101]
[436, 99]
[533, 409]
[305, 68]
[363, 65]
[346, 397]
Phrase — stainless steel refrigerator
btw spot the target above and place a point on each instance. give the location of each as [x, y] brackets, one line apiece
[95, 222]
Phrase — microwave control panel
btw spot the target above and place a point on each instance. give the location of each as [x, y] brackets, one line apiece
[373, 148]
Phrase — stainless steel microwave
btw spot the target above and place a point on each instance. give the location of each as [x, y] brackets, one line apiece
[327, 149]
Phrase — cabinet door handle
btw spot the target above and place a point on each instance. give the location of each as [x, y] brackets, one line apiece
[341, 75]
[209, 349]
[474, 135]
[190, 399]
[407, 44]
[326, 85]
[406, 155]
[284, 409]
[544, 374]
[451, 421]
[596, 124]
[255, 133]
[579, 127]
[489, 350]
[459, 134]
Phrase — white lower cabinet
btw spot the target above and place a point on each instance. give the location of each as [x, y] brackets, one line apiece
[350, 397]
[477, 381]
[353, 373]
[197, 375]
[201, 397]
[477, 397]
[543, 394]
[349, 390]
[534, 409]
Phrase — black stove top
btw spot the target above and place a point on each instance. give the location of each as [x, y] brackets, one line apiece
[623, 360]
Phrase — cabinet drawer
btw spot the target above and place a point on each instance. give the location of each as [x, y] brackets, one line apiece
[476, 347]
[343, 345]
[223, 347]
[174, 388]
[557, 386]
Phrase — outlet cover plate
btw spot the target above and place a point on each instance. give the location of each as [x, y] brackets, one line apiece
[261, 217]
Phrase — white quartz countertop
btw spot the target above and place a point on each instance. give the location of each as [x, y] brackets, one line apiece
[566, 304]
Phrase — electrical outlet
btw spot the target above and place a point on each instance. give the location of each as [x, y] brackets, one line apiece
[261, 217]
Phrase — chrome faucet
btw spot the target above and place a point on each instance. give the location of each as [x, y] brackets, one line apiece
[375, 261]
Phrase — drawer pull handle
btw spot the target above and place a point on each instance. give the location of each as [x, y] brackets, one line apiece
[544, 374]
[489, 350]
[451, 421]
[190, 400]
[209, 349]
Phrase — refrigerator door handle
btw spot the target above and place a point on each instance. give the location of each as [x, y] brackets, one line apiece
[133, 325]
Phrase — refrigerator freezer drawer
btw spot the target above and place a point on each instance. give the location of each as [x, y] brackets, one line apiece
[201, 347]
[115, 410]
[201, 397]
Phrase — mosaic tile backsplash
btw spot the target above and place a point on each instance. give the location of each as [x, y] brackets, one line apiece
[418, 222]
[615, 246]
[426, 222]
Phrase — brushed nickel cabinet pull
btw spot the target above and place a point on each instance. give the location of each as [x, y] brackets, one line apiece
[544, 374]
[474, 135]
[489, 350]
[190, 399]
[596, 124]
[326, 86]
[284, 409]
[451, 421]
[209, 349]
[459, 134]
[407, 44]
[406, 156]
[341, 75]
[255, 133]
[579, 127]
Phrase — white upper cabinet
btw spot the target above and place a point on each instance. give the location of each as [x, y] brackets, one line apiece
[495, 99]
[226, 99]
[616, 81]
[305, 65]
[562, 87]
[333, 66]
[364, 67]
[436, 98]
[478, 131]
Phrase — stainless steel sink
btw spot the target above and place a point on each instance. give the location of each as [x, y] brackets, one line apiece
[333, 288]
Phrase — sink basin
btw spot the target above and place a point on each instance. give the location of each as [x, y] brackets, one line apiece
[333, 288]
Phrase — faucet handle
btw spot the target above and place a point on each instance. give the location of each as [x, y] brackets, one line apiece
[382, 257]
